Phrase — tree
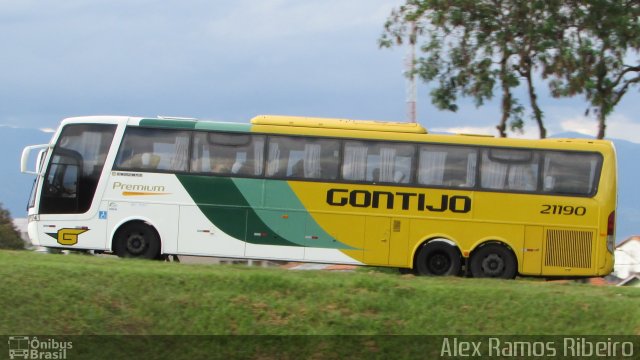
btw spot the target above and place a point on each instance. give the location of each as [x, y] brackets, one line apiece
[535, 30]
[9, 236]
[473, 45]
[591, 53]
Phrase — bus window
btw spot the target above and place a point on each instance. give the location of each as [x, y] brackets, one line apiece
[378, 162]
[153, 149]
[303, 158]
[509, 169]
[447, 166]
[571, 173]
[229, 154]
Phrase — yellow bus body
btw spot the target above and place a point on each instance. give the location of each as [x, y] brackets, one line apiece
[545, 244]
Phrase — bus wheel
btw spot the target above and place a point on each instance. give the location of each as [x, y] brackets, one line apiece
[493, 261]
[137, 240]
[438, 258]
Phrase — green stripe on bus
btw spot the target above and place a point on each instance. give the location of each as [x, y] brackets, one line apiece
[169, 124]
[223, 126]
[197, 125]
[224, 205]
[298, 226]
[236, 206]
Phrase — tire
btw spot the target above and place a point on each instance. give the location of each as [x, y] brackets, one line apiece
[438, 258]
[493, 261]
[137, 240]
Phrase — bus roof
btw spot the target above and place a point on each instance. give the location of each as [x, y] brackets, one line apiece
[375, 130]
[343, 124]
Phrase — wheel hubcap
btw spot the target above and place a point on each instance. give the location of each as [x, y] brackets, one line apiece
[439, 264]
[136, 244]
[493, 265]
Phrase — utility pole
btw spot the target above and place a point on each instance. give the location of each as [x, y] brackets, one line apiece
[410, 65]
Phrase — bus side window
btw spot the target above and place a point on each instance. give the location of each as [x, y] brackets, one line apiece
[571, 173]
[452, 166]
[303, 158]
[509, 169]
[153, 149]
[227, 153]
[383, 162]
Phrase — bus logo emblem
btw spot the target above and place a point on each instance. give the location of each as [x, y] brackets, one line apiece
[67, 236]
[19, 347]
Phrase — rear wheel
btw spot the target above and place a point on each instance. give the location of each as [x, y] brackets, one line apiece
[438, 258]
[493, 261]
[137, 240]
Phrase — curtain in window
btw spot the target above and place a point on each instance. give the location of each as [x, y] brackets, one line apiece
[471, 169]
[387, 164]
[258, 155]
[196, 155]
[355, 162]
[181, 154]
[89, 147]
[312, 161]
[274, 159]
[493, 173]
[521, 177]
[592, 173]
[431, 167]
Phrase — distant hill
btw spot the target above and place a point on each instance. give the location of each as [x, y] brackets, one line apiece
[15, 189]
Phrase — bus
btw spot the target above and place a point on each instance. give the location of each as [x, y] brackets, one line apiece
[327, 191]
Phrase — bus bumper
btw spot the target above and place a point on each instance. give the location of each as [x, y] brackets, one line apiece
[607, 267]
[32, 229]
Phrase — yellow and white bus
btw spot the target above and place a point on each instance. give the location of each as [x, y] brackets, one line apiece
[327, 190]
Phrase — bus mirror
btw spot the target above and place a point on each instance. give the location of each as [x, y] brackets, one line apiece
[25, 158]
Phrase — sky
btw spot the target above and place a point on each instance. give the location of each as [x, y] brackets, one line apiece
[231, 61]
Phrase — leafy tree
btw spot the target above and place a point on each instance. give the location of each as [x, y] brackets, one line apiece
[472, 46]
[591, 55]
[9, 236]
[534, 33]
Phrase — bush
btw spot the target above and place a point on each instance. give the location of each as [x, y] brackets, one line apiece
[9, 235]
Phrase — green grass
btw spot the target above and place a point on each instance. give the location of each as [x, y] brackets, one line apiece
[56, 294]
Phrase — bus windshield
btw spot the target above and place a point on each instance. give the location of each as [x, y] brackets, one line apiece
[74, 169]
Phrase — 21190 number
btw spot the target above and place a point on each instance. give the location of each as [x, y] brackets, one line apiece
[563, 210]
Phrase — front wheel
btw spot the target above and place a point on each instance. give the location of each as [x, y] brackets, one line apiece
[493, 261]
[137, 240]
[438, 258]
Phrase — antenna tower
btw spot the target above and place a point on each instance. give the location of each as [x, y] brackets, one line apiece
[410, 64]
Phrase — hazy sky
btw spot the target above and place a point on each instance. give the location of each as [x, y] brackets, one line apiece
[229, 60]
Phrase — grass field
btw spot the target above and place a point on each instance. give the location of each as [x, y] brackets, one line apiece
[74, 294]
